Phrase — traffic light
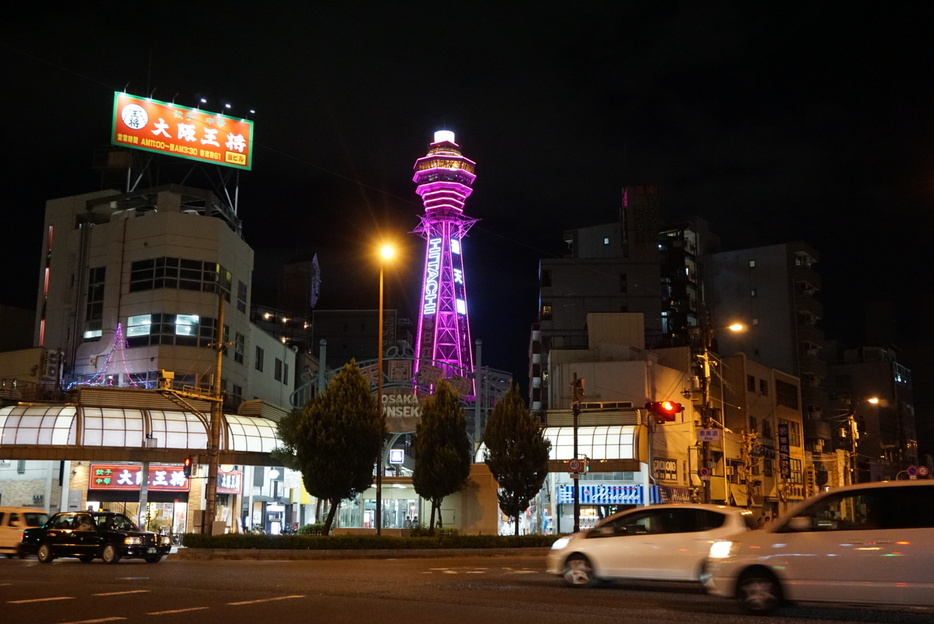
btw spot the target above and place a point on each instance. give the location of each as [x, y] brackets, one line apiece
[664, 411]
[186, 467]
[578, 390]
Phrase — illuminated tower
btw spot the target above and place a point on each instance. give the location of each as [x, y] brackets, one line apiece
[444, 177]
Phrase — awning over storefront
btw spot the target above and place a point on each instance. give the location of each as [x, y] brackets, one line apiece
[604, 442]
[135, 428]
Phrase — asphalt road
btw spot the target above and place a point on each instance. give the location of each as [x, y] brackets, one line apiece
[450, 590]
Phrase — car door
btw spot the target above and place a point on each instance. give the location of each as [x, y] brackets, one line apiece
[680, 543]
[861, 547]
[60, 536]
[626, 547]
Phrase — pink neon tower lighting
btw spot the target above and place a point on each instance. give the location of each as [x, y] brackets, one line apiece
[444, 178]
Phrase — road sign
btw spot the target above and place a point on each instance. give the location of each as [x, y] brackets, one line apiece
[708, 435]
[912, 472]
[575, 465]
[923, 471]
[704, 474]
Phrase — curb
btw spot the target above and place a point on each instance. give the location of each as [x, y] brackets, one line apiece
[232, 554]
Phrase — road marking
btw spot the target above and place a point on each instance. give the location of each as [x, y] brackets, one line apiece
[248, 602]
[122, 593]
[177, 611]
[40, 600]
[110, 619]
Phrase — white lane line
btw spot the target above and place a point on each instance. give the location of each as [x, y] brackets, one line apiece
[123, 593]
[248, 602]
[40, 600]
[177, 611]
[110, 619]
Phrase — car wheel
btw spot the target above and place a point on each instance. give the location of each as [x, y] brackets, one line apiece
[578, 572]
[759, 592]
[154, 559]
[44, 554]
[86, 558]
[110, 554]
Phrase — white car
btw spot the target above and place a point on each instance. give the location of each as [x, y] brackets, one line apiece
[660, 542]
[870, 543]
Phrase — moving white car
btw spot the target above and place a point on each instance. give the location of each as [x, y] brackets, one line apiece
[870, 543]
[660, 542]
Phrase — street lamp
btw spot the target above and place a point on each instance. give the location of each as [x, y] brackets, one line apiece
[386, 252]
[703, 353]
[853, 434]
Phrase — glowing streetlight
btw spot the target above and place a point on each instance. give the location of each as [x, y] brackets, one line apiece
[386, 253]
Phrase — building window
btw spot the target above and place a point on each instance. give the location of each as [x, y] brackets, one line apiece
[546, 279]
[278, 370]
[794, 432]
[285, 373]
[623, 283]
[184, 330]
[259, 359]
[94, 312]
[606, 240]
[764, 387]
[239, 347]
[750, 383]
[546, 312]
[786, 394]
[179, 274]
[752, 264]
[241, 296]
[752, 292]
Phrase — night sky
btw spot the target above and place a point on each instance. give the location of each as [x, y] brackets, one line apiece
[774, 121]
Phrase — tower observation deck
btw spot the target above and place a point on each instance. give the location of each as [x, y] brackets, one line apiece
[444, 178]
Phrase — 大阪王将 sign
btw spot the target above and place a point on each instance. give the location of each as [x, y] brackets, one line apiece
[192, 133]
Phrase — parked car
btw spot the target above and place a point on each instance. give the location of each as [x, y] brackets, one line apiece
[870, 543]
[12, 522]
[661, 542]
[93, 534]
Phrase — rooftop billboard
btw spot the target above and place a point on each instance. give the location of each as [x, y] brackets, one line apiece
[192, 133]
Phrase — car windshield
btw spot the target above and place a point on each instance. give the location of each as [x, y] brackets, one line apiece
[116, 522]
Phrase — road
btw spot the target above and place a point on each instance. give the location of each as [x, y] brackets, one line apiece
[473, 589]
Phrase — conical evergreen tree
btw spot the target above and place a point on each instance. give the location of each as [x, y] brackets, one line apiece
[335, 440]
[517, 453]
[442, 449]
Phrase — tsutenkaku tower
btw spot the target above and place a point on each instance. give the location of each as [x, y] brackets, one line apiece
[444, 178]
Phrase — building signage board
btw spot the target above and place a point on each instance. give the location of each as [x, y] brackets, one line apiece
[664, 469]
[166, 128]
[784, 452]
[594, 494]
[708, 435]
[129, 477]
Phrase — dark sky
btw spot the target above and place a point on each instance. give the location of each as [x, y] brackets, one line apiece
[775, 121]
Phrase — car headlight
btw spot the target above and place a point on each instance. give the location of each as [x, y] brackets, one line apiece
[720, 550]
[560, 543]
[132, 541]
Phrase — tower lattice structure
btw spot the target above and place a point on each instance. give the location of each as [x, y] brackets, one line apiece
[444, 178]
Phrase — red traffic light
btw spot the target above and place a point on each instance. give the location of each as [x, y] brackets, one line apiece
[186, 467]
[664, 411]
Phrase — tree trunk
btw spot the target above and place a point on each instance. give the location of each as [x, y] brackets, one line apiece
[517, 525]
[431, 521]
[330, 519]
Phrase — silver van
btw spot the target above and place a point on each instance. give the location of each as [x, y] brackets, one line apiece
[12, 522]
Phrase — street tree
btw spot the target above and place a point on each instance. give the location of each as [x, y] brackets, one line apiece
[516, 453]
[335, 440]
[442, 449]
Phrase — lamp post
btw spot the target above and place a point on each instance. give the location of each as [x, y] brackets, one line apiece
[703, 354]
[386, 252]
[853, 434]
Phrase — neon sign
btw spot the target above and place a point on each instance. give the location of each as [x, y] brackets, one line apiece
[431, 277]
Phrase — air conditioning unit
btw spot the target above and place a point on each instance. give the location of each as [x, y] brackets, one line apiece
[37, 499]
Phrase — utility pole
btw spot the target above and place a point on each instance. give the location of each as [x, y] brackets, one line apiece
[217, 413]
[578, 388]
